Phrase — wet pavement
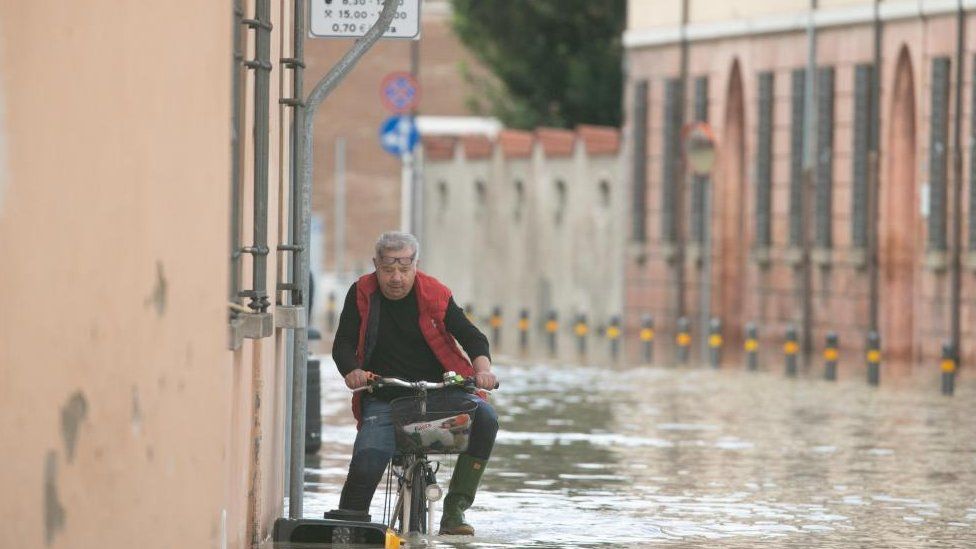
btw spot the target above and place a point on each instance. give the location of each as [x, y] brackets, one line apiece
[588, 457]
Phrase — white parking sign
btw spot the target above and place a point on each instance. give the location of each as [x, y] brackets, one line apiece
[352, 18]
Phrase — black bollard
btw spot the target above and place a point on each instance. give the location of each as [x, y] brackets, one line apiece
[552, 327]
[683, 340]
[948, 369]
[581, 330]
[874, 358]
[647, 337]
[313, 407]
[715, 342]
[523, 327]
[790, 348]
[751, 347]
[613, 335]
[496, 327]
[830, 357]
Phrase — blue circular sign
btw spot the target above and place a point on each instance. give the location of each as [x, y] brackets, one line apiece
[399, 135]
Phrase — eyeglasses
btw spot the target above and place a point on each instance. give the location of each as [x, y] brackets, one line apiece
[390, 261]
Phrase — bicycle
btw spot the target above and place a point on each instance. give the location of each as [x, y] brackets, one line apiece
[423, 425]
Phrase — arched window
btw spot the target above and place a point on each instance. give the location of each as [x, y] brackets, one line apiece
[481, 199]
[518, 206]
[605, 193]
[561, 200]
[442, 196]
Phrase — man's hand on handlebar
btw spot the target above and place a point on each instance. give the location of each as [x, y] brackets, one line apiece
[486, 380]
[358, 379]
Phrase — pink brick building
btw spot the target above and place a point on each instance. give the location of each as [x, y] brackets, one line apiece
[744, 72]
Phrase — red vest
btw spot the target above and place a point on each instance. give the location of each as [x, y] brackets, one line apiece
[432, 300]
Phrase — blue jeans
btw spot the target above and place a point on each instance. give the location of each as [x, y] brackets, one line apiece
[376, 443]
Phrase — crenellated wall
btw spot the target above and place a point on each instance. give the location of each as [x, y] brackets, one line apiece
[527, 221]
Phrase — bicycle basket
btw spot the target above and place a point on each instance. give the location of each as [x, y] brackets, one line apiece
[445, 428]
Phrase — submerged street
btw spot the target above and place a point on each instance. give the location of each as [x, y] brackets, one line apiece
[592, 457]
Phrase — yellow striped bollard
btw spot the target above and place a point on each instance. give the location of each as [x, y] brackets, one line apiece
[469, 312]
[751, 347]
[552, 328]
[874, 358]
[613, 336]
[948, 365]
[496, 326]
[330, 311]
[523, 328]
[715, 342]
[647, 337]
[581, 329]
[683, 340]
[830, 357]
[790, 349]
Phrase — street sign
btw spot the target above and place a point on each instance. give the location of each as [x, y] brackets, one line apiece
[352, 18]
[400, 92]
[399, 135]
[700, 148]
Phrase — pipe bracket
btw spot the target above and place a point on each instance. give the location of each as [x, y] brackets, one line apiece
[292, 63]
[256, 64]
[291, 102]
[257, 24]
[255, 250]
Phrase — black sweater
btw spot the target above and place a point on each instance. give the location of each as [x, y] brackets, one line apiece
[401, 350]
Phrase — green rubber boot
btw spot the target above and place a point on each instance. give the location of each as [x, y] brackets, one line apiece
[460, 495]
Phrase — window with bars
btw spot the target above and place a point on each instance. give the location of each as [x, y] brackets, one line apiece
[938, 157]
[764, 161]
[825, 157]
[639, 206]
[798, 82]
[863, 84]
[670, 155]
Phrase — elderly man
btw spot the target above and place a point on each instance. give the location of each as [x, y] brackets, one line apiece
[400, 322]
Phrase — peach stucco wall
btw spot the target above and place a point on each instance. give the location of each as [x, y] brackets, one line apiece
[124, 419]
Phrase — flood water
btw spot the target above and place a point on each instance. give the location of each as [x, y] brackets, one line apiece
[590, 457]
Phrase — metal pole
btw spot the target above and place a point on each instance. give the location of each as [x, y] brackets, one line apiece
[406, 191]
[706, 274]
[679, 195]
[955, 281]
[322, 89]
[809, 162]
[339, 233]
[874, 176]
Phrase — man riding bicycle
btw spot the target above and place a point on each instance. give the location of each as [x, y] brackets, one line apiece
[400, 322]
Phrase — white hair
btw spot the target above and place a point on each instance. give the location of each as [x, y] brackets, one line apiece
[394, 241]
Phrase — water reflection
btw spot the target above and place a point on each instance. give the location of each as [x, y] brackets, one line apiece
[594, 458]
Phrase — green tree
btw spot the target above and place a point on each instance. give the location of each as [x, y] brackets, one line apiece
[554, 62]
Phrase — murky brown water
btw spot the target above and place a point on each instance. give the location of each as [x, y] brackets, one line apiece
[694, 457]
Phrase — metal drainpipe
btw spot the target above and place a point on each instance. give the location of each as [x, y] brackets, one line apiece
[300, 358]
[297, 65]
[809, 168]
[262, 97]
[874, 179]
[956, 282]
[237, 74]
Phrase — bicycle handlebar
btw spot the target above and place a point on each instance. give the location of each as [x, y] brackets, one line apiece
[450, 380]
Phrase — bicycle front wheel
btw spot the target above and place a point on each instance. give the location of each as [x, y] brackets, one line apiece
[418, 501]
